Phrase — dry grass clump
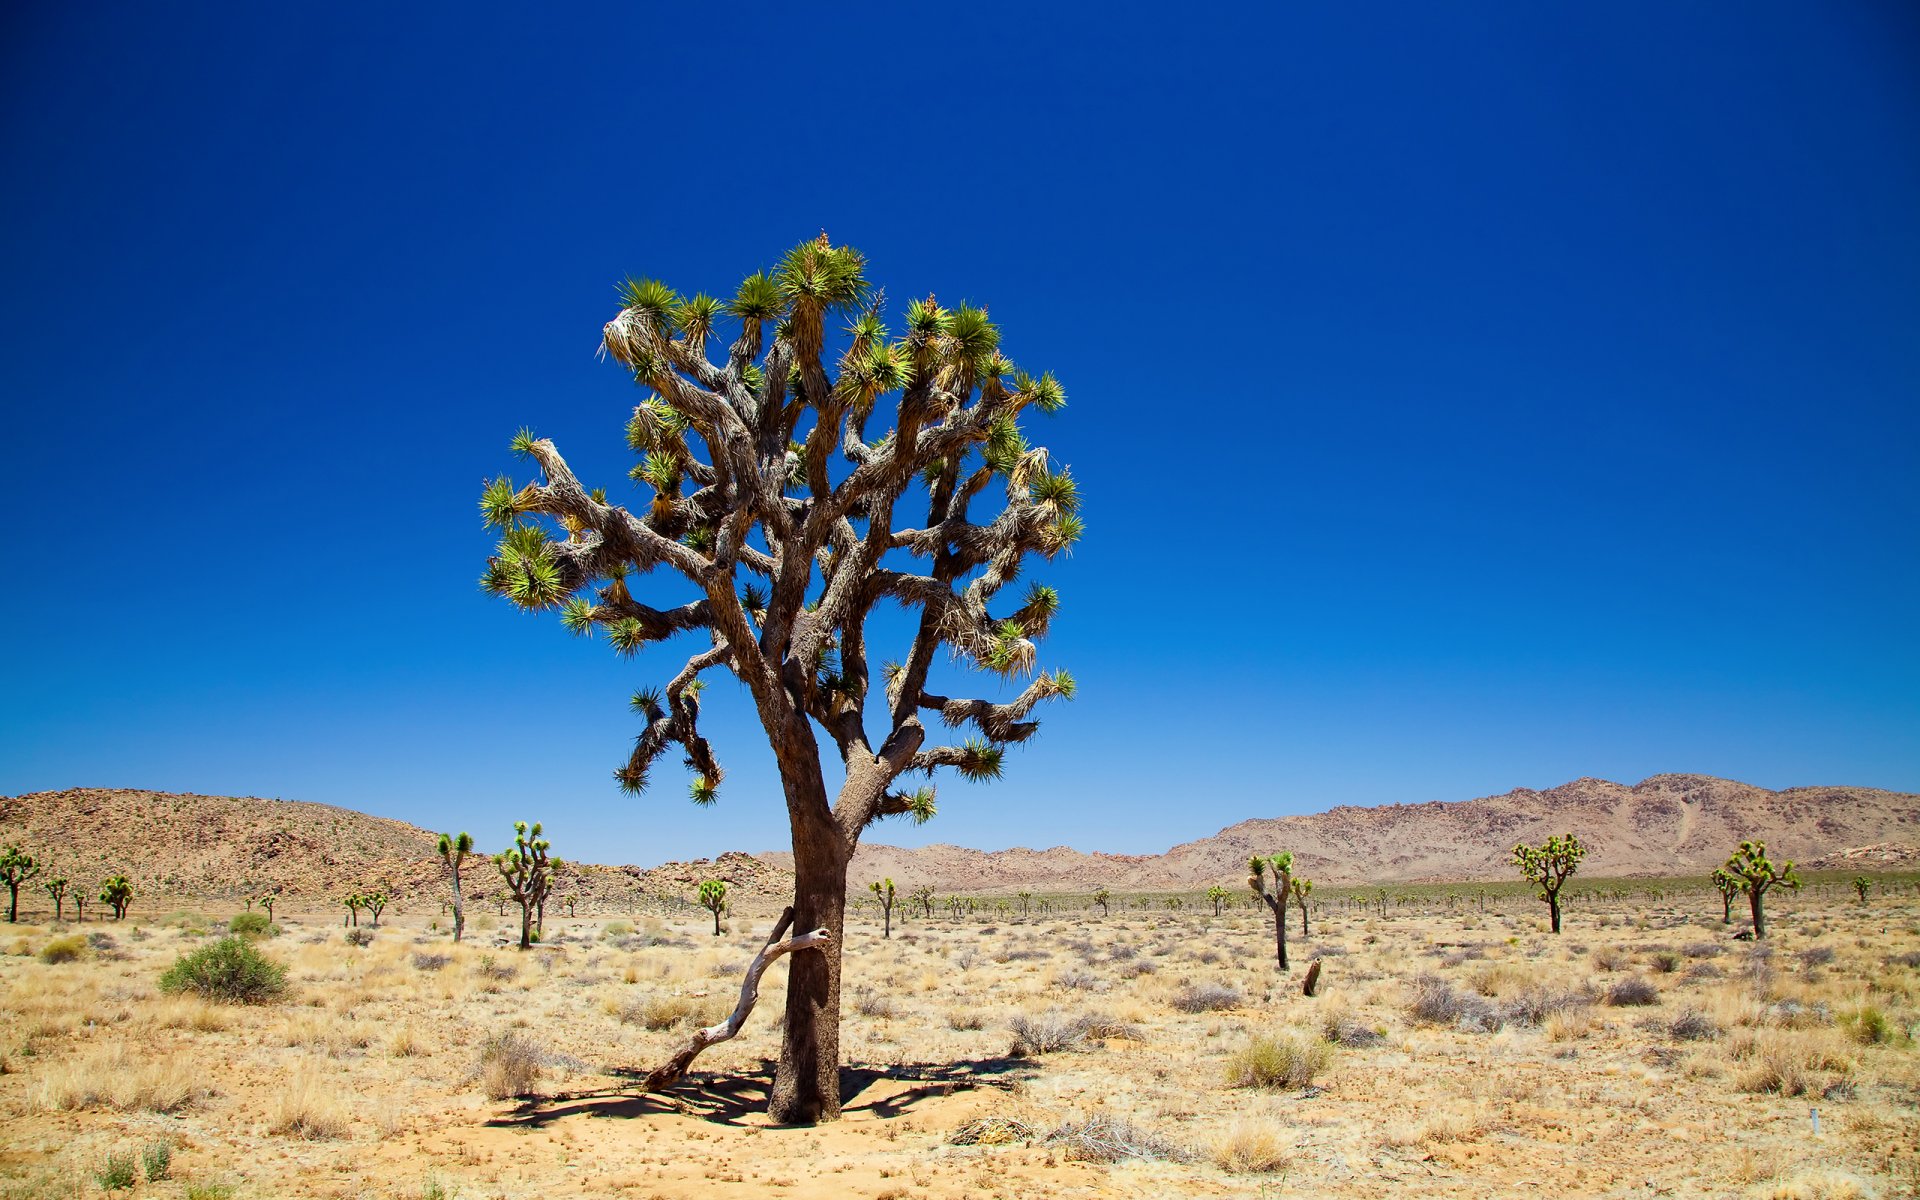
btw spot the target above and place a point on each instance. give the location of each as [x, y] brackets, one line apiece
[1868, 1025]
[668, 1010]
[1437, 1002]
[510, 1066]
[1207, 997]
[430, 962]
[64, 949]
[1287, 1061]
[1535, 1006]
[1104, 1138]
[1632, 992]
[1251, 1147]
[1049, 1032]
[1693, 1026]
[309, 1109]
[112, 1078]
[1789, 1064]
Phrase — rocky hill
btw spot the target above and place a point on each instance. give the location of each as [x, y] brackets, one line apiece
[1668, 824]
[190, 847]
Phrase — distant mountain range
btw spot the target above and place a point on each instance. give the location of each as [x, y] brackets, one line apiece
[1665, 825]
[198, 847]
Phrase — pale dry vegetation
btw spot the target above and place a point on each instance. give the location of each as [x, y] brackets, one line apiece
[1154, 1052]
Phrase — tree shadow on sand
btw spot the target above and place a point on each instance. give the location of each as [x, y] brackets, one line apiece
[729, 1098]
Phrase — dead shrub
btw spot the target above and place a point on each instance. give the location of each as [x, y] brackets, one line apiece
[1207, 997]
[510, 1065]
[1635, 991]
[1103, 1138]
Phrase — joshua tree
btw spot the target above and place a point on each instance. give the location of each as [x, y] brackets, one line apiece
[16, 868]
[353, 901]
[1218, 895]
[1757, 875]
[883, 896]
[713, 898]
[1729, 887]
[923, 896]
[789, 552]
[1862, 885]
[1026, 904]
[1281, 865]
[1101, 896]
[1548, 866]
[267, 901]
[524, 867]
[454, 848]
[569, 903]
[80, 905]
[374, 902]
[1302, 888]
[117, 893]
[57, 892]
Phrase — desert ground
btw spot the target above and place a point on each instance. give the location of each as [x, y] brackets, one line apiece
[1455, 1048]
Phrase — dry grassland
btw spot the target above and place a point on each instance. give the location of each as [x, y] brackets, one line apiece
[1470, 1054]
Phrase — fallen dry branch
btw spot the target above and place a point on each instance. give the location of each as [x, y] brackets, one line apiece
[667, 1075]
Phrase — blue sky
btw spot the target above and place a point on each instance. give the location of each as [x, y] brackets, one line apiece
[1463, 397]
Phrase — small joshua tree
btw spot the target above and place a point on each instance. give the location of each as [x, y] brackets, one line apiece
[524, 868]
[713, 898]
[1281, 865]
[1862, 885]
[883, 895]
[267, 900]
[1548, 867]
[1757, 875]
[374, 902]
[1026, 904]
[1101, 897]
[1728, 887]
[923, 896]
[1218, 895]
[117, 893]
[57, 892]
[16, 868]
[353, 902]
[1302, 888]
[454, 848]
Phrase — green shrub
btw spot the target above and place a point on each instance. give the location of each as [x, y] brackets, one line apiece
[63, 949]
[252, 924]
[210, 1191]
[1867, 1025]
[1278, 1062]
[116, 1172]
[229, 970]
[156, 1159]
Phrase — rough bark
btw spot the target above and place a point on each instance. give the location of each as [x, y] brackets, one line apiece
[806, 1086]
[459, 908]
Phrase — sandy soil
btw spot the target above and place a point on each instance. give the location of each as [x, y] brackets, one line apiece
[1451, 1052]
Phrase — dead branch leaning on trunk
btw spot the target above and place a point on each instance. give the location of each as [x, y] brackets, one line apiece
[669, 1074]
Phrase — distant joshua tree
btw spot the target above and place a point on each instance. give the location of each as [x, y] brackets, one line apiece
[1548, 866]
[454, 848]
[352, 901]
[1218, 895]
[1862, 885]
[1757, 875]
[1102, 896]
[1729, 887]
[57, 892]
[524, 867]
[16, 868]
[1302, 888]
[923, 896]
[713, 898]
[267, 900]
[1026, 904]
[117, 893]
[1281, 865]
[374, 902]
[883, 895]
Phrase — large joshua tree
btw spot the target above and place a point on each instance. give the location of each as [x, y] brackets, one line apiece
[819, 467]
[1548, 866]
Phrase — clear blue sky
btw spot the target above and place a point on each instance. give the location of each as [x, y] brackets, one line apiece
[1464, 396]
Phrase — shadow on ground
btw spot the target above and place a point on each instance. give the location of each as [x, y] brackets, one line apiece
[727, 1099]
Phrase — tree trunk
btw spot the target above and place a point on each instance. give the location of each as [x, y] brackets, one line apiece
[716, 922]
[887, 910]
[13, 905]
[806, 1087]
[1726, 908]
[58, 908]
[1553, 909]
[1280, 933]
[1759, 915]
[526, 925]
[1303, 921]
[459, 909]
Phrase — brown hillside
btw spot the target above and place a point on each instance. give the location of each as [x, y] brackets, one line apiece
[190, 847]
[1664, 825]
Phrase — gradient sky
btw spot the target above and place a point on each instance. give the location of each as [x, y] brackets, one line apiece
[1463, 396]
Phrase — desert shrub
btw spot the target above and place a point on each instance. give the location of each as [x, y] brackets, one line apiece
[359, 937]
[229, 970]
[616, 929]
[1536, 1004]
[510, 1065]
[306, 1108]
[1703, 950]
[1693, 1026]
[101, 941]
[1791, 1014]
[1078, 980]
[156, 1160]
[1121, 952]
[1867, 1025]
[1910, 959]
[431, 962]
[1251, 1147]
[1705, 970]
[1207, 997]
[1633, 991]
[210, 1191]
[870, 1003]
[965, 1019]
[1437, 1002]
[116, 1172]
[665, 1011]
[991, 1131]
[1340, 1029]
[251, 924]
[1103, 1138]
[1609, 958]
[1665, 962]
[1290, 1061]
[1816, 956]
[1137, 968]
[1047, 1033]
[491, 968]
[63, 949]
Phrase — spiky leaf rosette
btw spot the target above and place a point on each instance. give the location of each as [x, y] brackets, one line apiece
[775, 481]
